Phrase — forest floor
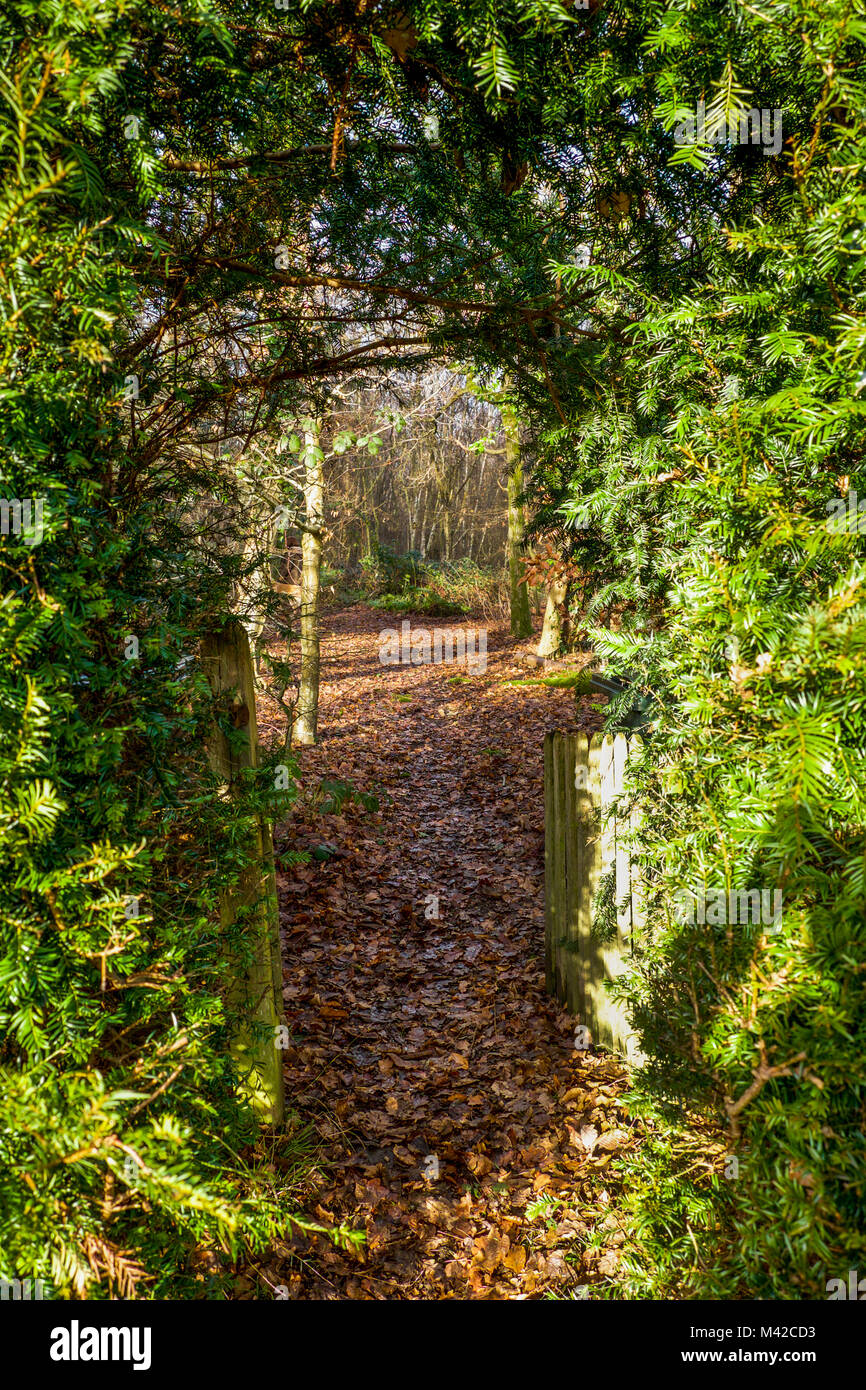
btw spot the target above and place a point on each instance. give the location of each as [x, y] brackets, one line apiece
[454, 1123]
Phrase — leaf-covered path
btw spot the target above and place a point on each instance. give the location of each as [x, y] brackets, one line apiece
[456, 1125]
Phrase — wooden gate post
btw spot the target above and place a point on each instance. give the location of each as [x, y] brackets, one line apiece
[258, 990]
[561, 866]
[583, 844]
[551, 866]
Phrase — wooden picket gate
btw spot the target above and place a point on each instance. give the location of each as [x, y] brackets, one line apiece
[583, 775]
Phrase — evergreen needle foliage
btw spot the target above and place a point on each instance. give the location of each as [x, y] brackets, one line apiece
[211, 215]
[718, 466]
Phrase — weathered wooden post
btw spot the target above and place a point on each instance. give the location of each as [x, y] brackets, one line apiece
[583, 844]
[561, 885]
[257, 992]
[550, 867]
[574, 989]
[591, 863]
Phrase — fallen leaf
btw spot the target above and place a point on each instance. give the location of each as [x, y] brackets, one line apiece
[515, 1260]
[489, 1251]
[613, 1139]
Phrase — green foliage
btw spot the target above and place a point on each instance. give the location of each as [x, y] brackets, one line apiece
[724, 424]
[126, 1156]
[441, 589]
[332, 794]
[578, 681]
[681, 1214]
[387, 573]
[419, 601]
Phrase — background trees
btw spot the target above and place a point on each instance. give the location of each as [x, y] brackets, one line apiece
[434, 484]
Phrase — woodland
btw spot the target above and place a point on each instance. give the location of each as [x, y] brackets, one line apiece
[540, 321]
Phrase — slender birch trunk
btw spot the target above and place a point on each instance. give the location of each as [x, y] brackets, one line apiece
[521, 621]
[305, 727]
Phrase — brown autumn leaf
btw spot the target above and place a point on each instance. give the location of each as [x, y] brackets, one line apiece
[612, 1139]
[515, 1260]
[589, 1137]
[489, 1251]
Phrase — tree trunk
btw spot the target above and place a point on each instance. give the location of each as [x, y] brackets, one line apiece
[305, 727]
[428, 541]
[446, 534]
[411, 518]
[521, 622]
[551, 631]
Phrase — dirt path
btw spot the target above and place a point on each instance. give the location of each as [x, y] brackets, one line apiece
[439, 1078]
